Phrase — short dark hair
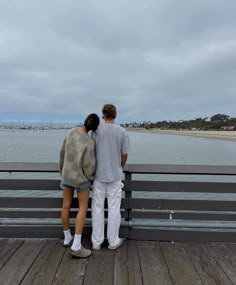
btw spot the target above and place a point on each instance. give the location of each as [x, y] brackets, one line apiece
[109, 111]
[91, 122]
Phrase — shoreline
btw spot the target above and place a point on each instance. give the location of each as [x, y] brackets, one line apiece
[222, 135]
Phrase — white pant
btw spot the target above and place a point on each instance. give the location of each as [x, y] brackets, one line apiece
[113, 192]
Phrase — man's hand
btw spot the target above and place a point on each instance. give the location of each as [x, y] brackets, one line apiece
[123, 160]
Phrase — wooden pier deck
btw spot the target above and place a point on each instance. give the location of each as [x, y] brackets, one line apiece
[45, 261]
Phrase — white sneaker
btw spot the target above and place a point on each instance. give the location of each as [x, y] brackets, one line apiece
[68, 243]
[96, 247]
[117, 245]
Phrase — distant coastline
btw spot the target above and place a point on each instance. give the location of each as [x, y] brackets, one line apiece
[223, 135]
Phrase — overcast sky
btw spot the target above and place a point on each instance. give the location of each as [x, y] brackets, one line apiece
[155, 60]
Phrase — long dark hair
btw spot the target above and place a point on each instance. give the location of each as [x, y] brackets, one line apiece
[91, 122]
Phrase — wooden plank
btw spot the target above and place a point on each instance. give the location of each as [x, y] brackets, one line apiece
[29, 184]
[181, 186]
[181, 169]
[205, 264]
[121, 276]
[100, 268]
[153, 265]
[130, 168]
[33, 214]
[182, 234]
[47, 231]
[133, 264]
[7, 249]
[71, 270]
[18, 265]
[143, 214]
[34, 231]
[127, 265]
[226, 257]
[46, 264]
[181, 224]
[29, 167]
[42, 202]
[32, 202]
[232, 251]
[217, 216]
[47, 213]
[174, 204]
[180, 266]
[35, 202]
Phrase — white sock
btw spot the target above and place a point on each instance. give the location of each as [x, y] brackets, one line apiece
[76, 243]
[67, 236]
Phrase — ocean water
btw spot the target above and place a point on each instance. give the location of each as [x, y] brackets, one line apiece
[153, 148]
[44, 146]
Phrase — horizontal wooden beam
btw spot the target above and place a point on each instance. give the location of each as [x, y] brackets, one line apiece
[176, 235]
[147, 215]
[180, 186]
[181, 169]
[29, 167]
[45, 213]
[42, 202]
[47, 231]
[201, 216]
[29, 184]
[174, 204]
[136, 185]
[130, 168]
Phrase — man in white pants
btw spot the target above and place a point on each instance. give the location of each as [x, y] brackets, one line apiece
[112, 146]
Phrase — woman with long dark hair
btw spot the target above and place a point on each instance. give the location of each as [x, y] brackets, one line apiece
[77, 169]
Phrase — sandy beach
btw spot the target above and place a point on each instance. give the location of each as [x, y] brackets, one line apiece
[223, 135]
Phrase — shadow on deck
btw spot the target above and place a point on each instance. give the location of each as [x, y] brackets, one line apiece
[41, 261]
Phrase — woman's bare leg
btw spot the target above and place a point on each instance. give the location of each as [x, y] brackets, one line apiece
[67, 199]
[83, 198]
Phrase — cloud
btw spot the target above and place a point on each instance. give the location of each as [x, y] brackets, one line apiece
[155, 60]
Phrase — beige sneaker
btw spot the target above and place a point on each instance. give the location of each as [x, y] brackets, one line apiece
[81, 253]
[117, 245]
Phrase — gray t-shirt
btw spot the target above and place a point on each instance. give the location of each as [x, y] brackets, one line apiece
[111, 141]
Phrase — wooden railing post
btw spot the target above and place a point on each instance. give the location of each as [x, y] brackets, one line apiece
[128, 196]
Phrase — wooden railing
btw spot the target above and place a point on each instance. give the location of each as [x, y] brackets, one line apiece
[151, 210]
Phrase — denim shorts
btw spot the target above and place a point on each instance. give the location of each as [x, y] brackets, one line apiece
[63, 186]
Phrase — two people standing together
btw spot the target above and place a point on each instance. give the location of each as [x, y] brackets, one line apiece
[98, 161]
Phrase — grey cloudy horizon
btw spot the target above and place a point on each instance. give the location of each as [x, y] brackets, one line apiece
[155, 59]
